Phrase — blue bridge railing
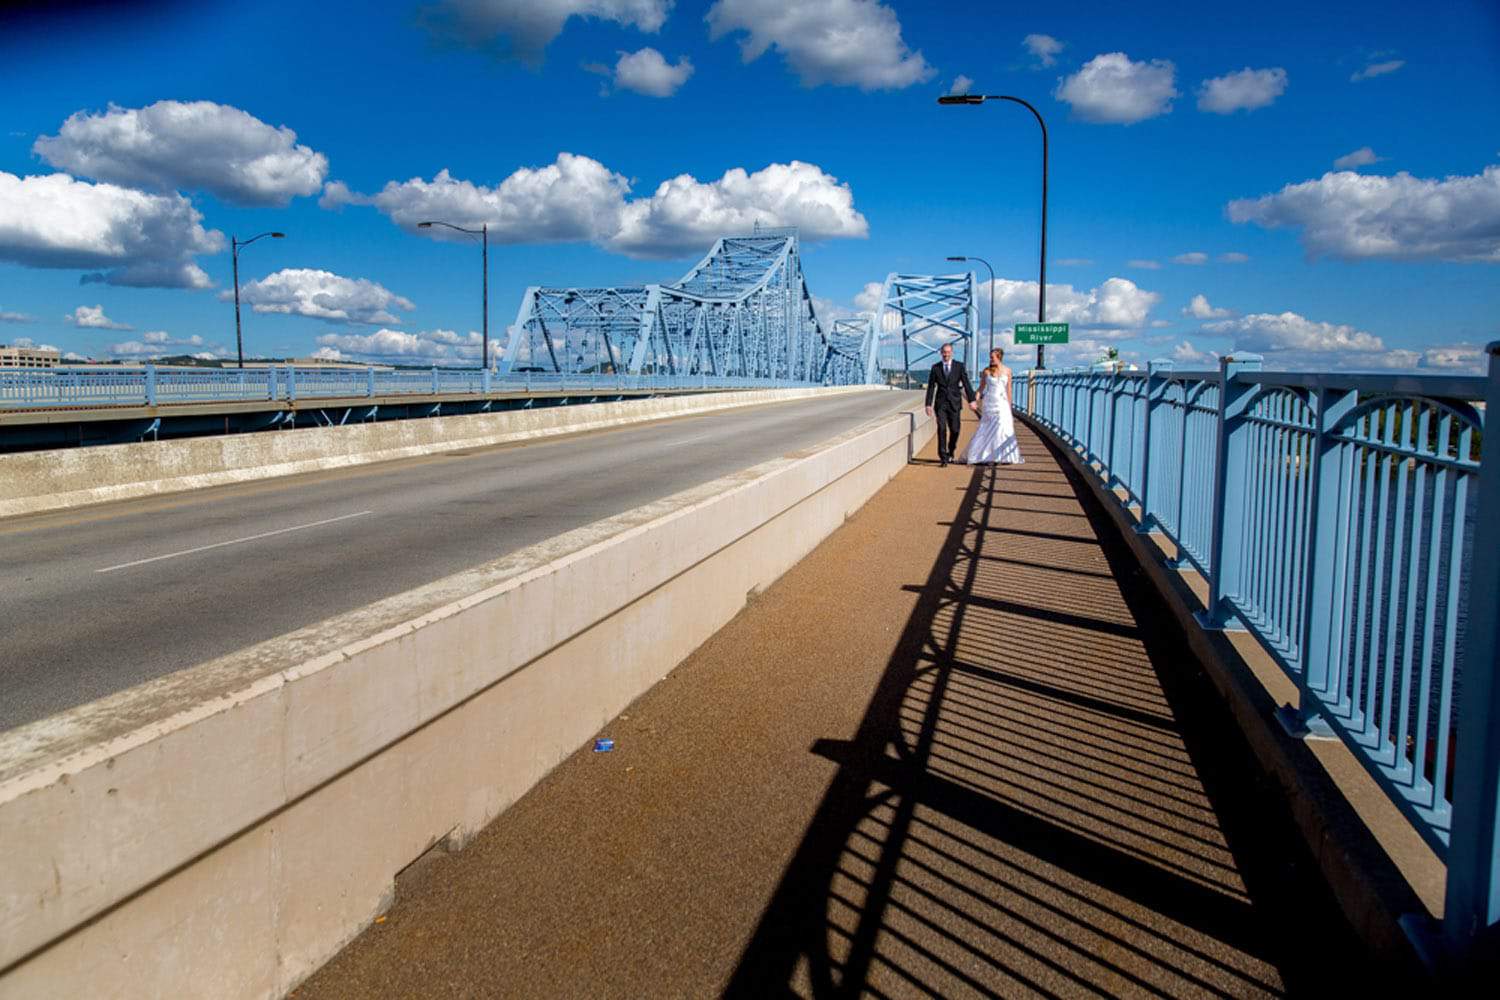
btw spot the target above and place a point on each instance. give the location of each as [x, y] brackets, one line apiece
[1351, 523]
[150, 385]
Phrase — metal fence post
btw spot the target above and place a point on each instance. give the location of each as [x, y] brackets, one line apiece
[1228, 510]
[291, 384]
[434, 380]
[370, 382]
[150, 385]
[1473, 895]
[271, 390]
[1318, 623]
[1156, 392]
[1111, 405]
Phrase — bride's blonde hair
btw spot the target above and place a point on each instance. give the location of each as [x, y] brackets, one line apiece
[997, 355]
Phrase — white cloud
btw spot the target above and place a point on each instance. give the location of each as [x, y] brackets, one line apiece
[1112, 89]
[1361, 157]
[1233, 257]
[1044, 47]
[27, 342]
[155, 343]
[685, 214]
[869, 297]
[139, 239]
[196, 145]
[574, 199]
[1144, 265]
[322, 295]
[961, 85]
[1116, 304]
[646, 72]
[1354, 216]
[1186, 354]
[1199, 308]
[132, 349]
[1195, 258]
[1289, 340]
[578, 199]
[162, 337]
[93, 318]
[1245, 90]
[401, 346]
[1454, 357]
[523, 29]
[1288, 331]
[844, 42]
[7, 316]
[1073, 262]
[1377, 69]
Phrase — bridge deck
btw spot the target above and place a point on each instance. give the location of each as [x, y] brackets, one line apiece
[958, 750]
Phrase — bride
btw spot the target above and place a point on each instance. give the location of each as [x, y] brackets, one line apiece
[995, 441]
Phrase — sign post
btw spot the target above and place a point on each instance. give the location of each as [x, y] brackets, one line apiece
[1041, 333]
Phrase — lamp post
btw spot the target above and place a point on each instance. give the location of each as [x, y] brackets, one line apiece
[1041, 308]
[234, 253]
[992, 294]
[483, 232]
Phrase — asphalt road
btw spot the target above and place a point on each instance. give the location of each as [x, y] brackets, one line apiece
[97, 600]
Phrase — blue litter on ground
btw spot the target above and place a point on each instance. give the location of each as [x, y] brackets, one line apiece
[603, 745]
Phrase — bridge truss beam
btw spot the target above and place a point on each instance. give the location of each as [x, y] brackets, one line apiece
[919, 313]
[742, 311]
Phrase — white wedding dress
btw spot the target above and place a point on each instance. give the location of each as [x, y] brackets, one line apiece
[995, 441]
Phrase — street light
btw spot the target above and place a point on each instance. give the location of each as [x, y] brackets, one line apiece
[483, 232]
[992, 294]
[1041, 308]
[234, 252]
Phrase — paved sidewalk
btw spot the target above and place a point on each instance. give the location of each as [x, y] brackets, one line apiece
[955, 751]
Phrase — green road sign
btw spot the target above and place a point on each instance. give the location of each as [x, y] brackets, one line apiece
[1041, 333]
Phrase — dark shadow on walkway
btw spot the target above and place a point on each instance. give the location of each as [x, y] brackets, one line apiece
[1044, 796]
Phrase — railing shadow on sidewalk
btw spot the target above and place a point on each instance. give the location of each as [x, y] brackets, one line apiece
[1041, 798]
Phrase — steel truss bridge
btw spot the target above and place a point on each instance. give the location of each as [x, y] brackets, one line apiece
[917, 315]
[743, 311]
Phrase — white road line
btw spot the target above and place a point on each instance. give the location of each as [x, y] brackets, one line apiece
[233, 541]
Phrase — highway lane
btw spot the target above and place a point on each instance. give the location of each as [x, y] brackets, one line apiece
[99, 599]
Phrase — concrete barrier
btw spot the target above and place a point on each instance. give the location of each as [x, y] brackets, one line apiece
[224, 831]
[35, 481]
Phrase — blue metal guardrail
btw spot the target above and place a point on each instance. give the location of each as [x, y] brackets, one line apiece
[149, 385]
[1351, 524]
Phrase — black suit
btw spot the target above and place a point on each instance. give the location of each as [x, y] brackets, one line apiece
[946, 393]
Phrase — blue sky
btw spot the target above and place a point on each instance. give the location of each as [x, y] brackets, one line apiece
[108, 150]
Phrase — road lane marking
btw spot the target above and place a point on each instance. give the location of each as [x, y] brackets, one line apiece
[233, 541]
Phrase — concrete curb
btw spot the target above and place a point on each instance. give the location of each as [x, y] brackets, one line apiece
[224, 831]
[1369, 887]
[36, 481]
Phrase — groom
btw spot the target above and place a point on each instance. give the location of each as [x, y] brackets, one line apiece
[948, 383]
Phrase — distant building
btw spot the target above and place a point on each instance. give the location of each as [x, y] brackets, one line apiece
[29, 357]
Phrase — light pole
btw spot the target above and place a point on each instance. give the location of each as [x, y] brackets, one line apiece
[234, 253]
[1041, 308]
[483, 232]
[992, 294]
